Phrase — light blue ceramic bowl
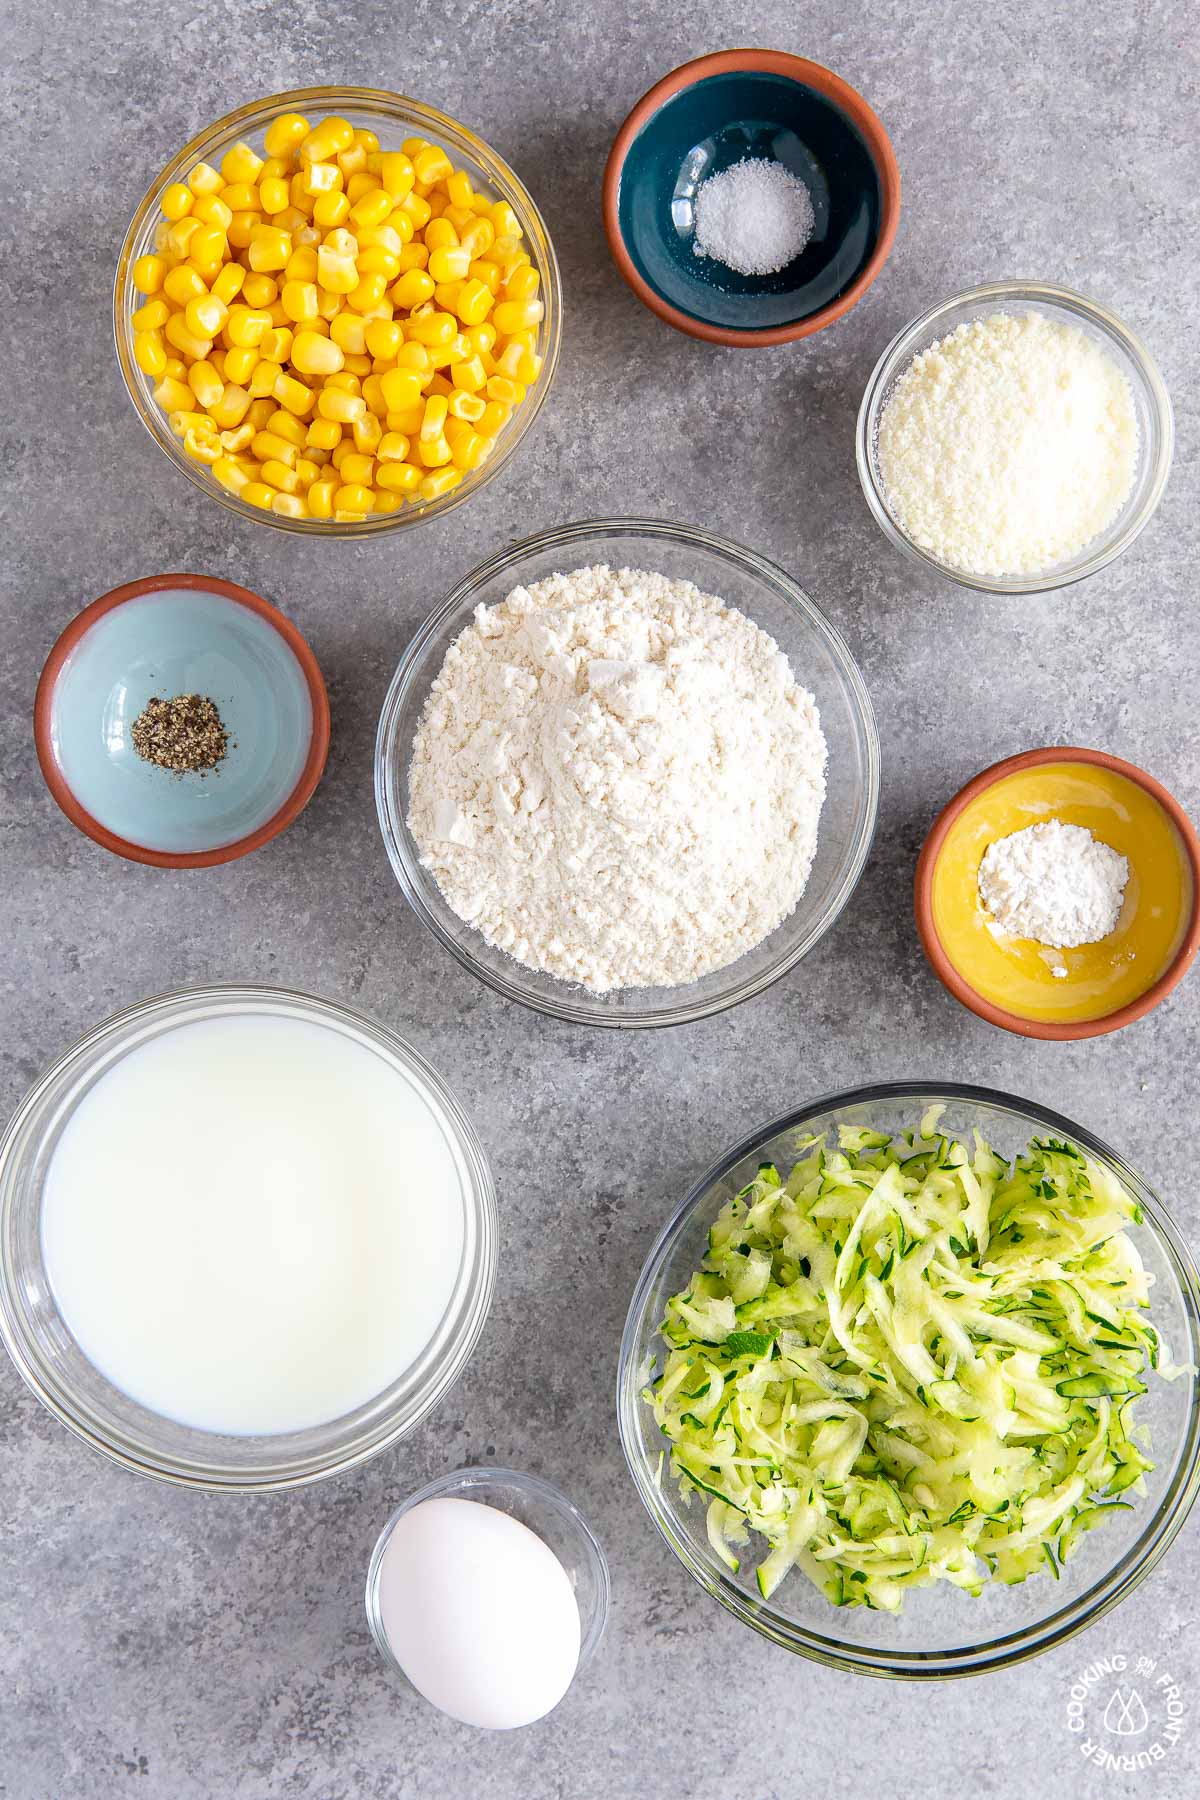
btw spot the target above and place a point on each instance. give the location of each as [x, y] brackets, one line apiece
[170, 635]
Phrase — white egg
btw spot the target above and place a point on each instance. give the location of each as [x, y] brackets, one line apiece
[479, 1613]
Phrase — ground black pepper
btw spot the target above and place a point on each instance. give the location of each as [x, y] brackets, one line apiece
[184, 735]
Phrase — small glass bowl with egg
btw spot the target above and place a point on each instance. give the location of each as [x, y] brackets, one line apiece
[488, 1610]
[1063, 307]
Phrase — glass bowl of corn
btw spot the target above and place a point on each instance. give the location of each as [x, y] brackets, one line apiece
[337, 311]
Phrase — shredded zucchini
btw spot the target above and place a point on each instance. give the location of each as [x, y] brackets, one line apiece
[911, 1363]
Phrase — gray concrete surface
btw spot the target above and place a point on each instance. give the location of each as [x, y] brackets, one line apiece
[172, 1647]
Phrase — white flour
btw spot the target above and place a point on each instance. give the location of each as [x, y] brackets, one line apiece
[617, 780]
[1054, 883]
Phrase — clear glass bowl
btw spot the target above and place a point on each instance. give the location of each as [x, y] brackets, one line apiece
[1156, 429]
[392, 117]
[68, 1385]
[547, 1513]
[820, 661]
[940, 1630]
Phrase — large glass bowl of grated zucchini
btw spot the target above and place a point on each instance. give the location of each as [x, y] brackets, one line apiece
[909, 1380]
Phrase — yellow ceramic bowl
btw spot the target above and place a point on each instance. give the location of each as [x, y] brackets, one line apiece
[1018, 984]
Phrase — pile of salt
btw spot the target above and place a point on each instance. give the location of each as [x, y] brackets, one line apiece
[754, 217]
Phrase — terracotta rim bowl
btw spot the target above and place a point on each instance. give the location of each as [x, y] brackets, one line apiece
[950, 976]
[809, 74]
[318, 748]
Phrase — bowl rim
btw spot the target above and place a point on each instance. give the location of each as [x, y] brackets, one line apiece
[1015, 1647]
[455, 1484]
[393, 830]
[499, 173]
[43, 709]
[808, 74]
[285, 1474]
[907, 342]
[955, 983]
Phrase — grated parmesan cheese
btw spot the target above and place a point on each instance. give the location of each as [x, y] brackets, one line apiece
[1008, 445]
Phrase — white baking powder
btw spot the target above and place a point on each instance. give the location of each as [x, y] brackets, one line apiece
[1054, 883]
[1008, 445]
[617, 780]
[755, 217]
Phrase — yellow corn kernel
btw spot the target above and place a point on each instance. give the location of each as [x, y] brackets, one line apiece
[348, 383]
[435, 453]
[260, 290]
[276, 346]
[440, 235]
[286, 425]
[177, 201]
[180, 235]
[371, 208]
[239, 361]
[431, 164]
[201, 447]
[150, 317]
[330, 210]
[413, 256]
[320, 499]
[316, 355]
[458, 187]
[257, 493]
[367, 293]
[348, 331]
[508, 392]
[504, 220]
[337, 457]
[207, 249]
[506, 253]
[162, 240]
[465, 405]
[398, 477]
[228, 284]
[326, 140]
[205, 315]
[302, 266]
[493, 418]
[213, 210]
[445, 296]
[335, 403]
[323, 433]
[206, 384]
[284, 134]
[481, 337]
[231, 408]
[368, 433]
[350, 497]
[294, 395]
[522, 283]
[280, 475]
[177, 333]
[469, 375]
[439, 385]
[173, 395]
[401, 388]
[450, 263]
[432, 329]
[270, 247]
[397, 174]
[269, 446]
[300, 301]
[411, 289]
[204, 179]
[274, 194]
[240, 163]
[182, 284]
[148, 273]
[407, 420]
[229, 474]
[307, 472]
[517, 315]
[377, 261]
[471, 451]
[393, 446]
[383, 338]
[352, 160]
[477, 237]
[355, 467]
[240, 437]
[149, 353]
[358, 365]
[387, 503]
[241, 197]
[366, 141]
[433, 486]
[489, 273]
[176, 368]
[315, 179]
[190, 420]
[473, 302]
[289, 506]
[433, 419]
[243, 224]
[261, 410]
[263, 377]
[358, 184]
[417, 210]
[336, 268]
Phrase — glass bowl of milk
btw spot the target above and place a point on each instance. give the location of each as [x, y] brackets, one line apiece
[247, 1238]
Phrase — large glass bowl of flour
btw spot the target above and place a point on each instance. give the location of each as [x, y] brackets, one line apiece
[820, 663]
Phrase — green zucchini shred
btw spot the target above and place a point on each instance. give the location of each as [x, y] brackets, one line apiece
[911, 1362]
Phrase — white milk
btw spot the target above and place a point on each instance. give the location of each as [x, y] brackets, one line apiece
[253, 1224]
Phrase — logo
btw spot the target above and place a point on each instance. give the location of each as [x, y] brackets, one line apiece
[1125, 1713]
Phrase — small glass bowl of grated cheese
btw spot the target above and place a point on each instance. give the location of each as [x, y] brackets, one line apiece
[969, 470]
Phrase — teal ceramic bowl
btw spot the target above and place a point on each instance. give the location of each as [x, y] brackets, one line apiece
[707, 116]
[170, 635]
